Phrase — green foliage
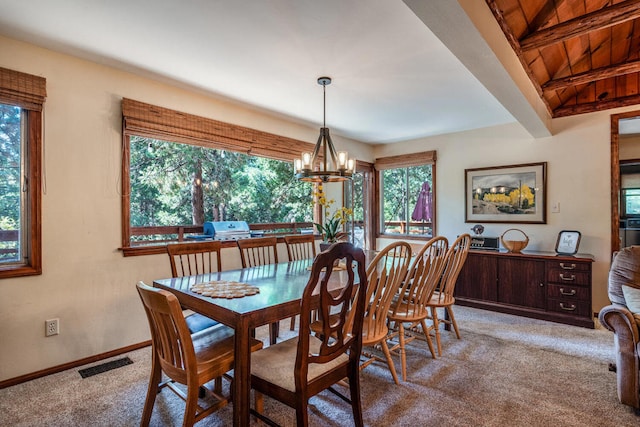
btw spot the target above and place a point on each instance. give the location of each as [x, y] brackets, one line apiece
[10, 166]
[175, 184]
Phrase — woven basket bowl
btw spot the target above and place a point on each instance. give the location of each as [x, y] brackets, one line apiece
[515, 246]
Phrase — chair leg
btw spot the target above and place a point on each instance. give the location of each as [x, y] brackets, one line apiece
[427, 336]
[453, 321]
[403, 358]
[152, 391]
[387, 354]
[293, 323]
[274, 332]
[191, 405]
[436, 327]
[354, 388]
[302, 415]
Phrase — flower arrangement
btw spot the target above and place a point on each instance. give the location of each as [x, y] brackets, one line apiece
[331, 228]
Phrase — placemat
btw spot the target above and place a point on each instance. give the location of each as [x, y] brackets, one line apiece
[224, 289]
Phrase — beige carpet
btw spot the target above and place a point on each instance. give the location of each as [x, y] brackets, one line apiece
[505, 371]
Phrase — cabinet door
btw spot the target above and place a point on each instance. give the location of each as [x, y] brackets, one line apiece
[477, 279]
[522, 282]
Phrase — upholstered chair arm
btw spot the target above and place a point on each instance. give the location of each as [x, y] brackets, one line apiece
[618, 319]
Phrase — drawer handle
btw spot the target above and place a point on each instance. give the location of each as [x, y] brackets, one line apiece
[568, 279]
[572, 307]
[571, 293]
[567, 266]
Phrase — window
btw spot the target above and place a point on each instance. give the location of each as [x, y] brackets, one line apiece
[181, 170]
[21, 100]
[407, 195]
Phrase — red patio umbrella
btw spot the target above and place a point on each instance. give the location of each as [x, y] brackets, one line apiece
[422, 211]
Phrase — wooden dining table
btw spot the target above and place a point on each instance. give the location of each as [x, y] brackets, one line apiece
[281, 287]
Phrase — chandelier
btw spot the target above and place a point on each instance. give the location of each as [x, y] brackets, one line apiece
[324, 164]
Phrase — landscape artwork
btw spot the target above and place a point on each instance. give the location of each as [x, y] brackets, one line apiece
[506, 194]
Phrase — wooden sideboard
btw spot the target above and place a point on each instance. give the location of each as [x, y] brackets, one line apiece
[541, 285]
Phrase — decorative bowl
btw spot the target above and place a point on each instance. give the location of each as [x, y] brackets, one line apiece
[515, 246]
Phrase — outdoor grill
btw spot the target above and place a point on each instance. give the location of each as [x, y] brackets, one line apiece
[223, 230]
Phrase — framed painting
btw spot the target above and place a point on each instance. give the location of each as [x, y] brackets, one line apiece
[515, 193]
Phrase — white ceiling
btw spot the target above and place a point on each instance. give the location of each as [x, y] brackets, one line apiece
[393, 80]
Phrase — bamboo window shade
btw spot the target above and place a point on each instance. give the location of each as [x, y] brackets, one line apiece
[406, 160]
[156, 122]
[24, 90]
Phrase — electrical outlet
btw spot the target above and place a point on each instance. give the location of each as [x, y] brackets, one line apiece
[51, 327]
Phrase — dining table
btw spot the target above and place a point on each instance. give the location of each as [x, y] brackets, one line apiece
[280, 287]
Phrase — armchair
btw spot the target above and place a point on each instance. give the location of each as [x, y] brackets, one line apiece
[622, 317]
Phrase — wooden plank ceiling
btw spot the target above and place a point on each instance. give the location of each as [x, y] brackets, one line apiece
[581, 55]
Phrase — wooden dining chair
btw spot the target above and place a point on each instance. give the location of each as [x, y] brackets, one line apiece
[300, 247]
[409, 307]
[293, 371]
[443, 297]
[191, 360]
[385, 274]
[192, 258]
[260, 251]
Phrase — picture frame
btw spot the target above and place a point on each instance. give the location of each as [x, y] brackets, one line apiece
[507, 194]
[568, 242]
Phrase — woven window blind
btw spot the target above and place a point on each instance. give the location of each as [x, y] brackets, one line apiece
[24, 90]
[406, 160]
[152, 121]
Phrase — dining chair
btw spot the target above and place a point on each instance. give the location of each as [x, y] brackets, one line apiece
[191, 360]
[189, 259]
[256, 252]
[385, 274]
[443, 297]
[410, 304]
[300, 247]
[294, 370]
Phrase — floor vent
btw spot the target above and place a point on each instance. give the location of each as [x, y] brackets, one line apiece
[98, 369]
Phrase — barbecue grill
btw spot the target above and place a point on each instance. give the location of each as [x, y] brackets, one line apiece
[223, 230]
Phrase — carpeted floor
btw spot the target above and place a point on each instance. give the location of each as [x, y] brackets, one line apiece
[505, 371]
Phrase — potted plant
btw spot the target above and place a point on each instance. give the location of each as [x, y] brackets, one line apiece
[331, 229]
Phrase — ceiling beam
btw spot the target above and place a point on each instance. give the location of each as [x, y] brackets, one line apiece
[603, 18]
[593, 75]
[596, 106]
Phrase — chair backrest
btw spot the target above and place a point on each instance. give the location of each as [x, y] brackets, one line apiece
[456, 257]
[423, 277]
[188, 259]
[300, 246]
[258, 251]
[170, 336]
[340, 312]
[385, 273]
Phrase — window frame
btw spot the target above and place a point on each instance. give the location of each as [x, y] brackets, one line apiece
[28, 92]
[142, 119]
[398, 162]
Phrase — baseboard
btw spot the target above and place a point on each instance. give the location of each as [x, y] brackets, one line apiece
[55, 369]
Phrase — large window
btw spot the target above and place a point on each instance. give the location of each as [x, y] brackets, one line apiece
[21, 99]
[181, 170]
[407, 195]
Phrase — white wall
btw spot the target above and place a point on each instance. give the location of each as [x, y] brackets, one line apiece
[89, 285]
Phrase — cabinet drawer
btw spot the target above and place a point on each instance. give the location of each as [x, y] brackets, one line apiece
[569, 292]
[582, 278]
[568, 306]
[569, 265]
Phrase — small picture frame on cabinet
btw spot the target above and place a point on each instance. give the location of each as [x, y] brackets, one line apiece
[568, 242]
